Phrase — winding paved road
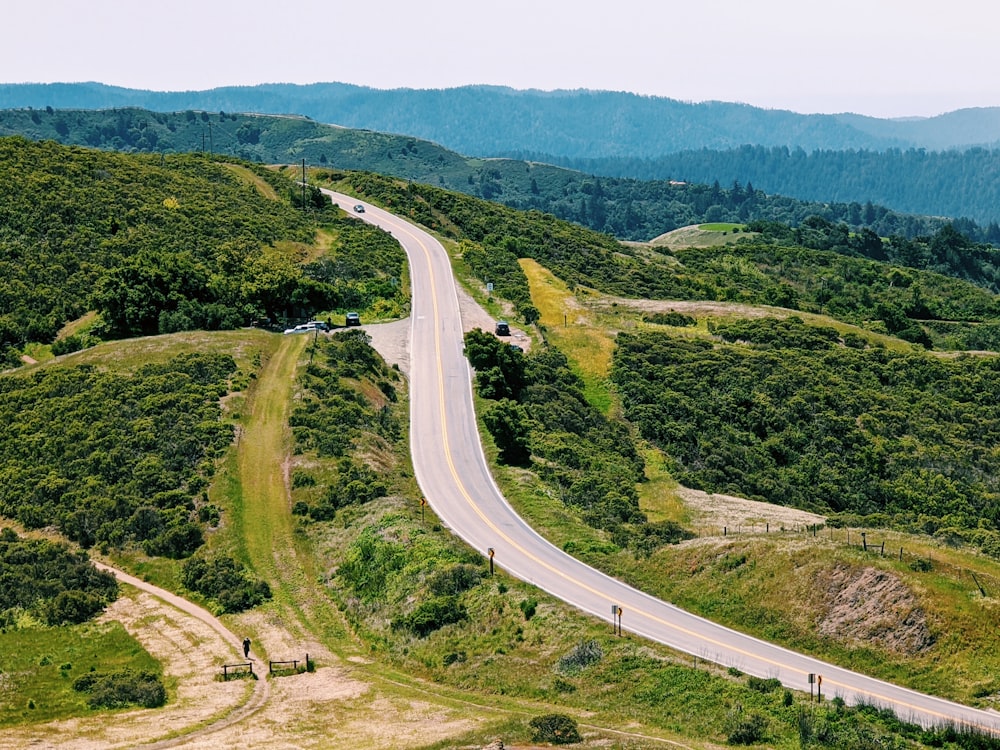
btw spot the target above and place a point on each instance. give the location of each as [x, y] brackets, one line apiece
[452, 472]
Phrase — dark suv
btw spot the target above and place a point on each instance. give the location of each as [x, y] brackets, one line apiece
[503, 329]
[352, 319]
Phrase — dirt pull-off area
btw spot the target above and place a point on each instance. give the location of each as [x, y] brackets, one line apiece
[871, 607]
[191, 653]
[711, 513]
[392, 340]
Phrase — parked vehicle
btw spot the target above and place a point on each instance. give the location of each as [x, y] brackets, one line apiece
[303, 328]
[352, 319]
[503, 328]
[320, 324]
[359, 209]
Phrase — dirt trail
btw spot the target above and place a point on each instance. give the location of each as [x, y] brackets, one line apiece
[192, 645]
[334, 707]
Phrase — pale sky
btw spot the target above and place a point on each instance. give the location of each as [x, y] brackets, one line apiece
[887, 58]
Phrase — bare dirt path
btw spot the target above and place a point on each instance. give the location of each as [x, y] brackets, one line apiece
[192, 645]
[337, 706]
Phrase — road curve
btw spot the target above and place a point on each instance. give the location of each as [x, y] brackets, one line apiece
[451, 469]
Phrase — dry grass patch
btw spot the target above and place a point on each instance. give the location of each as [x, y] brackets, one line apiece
[587, 342]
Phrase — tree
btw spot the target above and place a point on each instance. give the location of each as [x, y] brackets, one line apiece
[508, 425]
[558, 729]
[269, 278]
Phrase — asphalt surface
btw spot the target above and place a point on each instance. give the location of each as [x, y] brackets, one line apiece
[452, 472]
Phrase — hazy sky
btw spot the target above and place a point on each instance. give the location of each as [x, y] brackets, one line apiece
[885, 58]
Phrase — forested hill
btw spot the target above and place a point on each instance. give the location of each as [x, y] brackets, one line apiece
[158, 244]
[933, 293]
[627, 208]
[949, 183]
[489, 120]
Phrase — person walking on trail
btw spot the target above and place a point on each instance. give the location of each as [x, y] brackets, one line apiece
[246, 648]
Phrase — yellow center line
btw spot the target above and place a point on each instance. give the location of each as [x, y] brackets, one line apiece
[528, 554]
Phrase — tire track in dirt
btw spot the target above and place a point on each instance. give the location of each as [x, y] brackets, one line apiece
[262, 687]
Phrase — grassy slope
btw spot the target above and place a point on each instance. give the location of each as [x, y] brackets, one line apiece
[38, 667]
[962, 664]
[654, 694]
[263, 532]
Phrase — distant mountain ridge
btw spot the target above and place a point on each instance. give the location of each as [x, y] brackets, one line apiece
[626, 208]
[492, 120]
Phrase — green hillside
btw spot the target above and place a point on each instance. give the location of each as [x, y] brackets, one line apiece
[252, 470]
[158, 244]
[932, 309]
[636, 209]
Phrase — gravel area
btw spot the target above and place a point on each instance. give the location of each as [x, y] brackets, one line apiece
[392, 340]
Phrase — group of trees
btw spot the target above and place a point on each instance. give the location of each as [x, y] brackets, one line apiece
[115, 459]
[540, 417]
[50, 582]
[947, 251]
[793, 416]
[909, 180]
[163, 244]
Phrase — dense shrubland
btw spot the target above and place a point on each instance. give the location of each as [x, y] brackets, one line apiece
[115, 459]
[793, 416]
[159, 244]
[540, 417]
[49, 582]
[335, 415]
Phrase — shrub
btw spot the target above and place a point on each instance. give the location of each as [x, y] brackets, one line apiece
[121, 689]
[176, 542]
[763, 686]
[745, 728]
[432, 615]
[528, 607]
[302, 479]
[581, 657]
[672, 318]
[73, 607]
[226, 581]
[558, 729]
[454, 580]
